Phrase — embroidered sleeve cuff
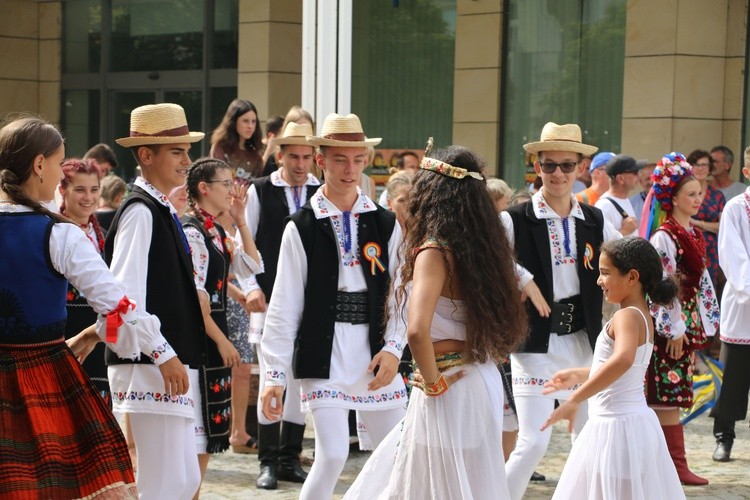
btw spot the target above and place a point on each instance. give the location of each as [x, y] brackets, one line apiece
[250, 264]
[395, 348]
[275, 378]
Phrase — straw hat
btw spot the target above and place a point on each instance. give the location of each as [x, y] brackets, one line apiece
[295, 134]
[344, 132]
[158, 124]
[560, 138]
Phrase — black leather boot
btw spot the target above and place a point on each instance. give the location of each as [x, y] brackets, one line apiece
[723, 449]
[289, 451]
[268, 456]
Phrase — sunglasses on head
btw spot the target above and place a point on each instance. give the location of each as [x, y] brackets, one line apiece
[549, 167]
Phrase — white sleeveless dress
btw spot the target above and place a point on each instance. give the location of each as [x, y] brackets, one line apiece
[446, 447]
[621, 453]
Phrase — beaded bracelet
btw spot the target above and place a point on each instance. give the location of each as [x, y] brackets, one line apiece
[436, 388]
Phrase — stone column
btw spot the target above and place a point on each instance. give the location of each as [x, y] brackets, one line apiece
[684, 75]
[269, 71]
[476, 93]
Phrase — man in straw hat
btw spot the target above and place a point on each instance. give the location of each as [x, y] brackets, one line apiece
[557, 240]
[325, 319]
[148, 252]
[270, 201]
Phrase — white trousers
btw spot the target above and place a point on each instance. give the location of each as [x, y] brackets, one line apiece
[292, 411]
[332, 445]
[167, 461]
[532, 412]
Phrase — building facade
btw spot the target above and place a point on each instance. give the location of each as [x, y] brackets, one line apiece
[641, 77]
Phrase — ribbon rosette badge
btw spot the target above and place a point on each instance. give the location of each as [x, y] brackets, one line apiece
[588, 256]
[372, 253]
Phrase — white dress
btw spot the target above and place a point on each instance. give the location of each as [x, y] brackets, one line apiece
[449, 446]
[621, 453]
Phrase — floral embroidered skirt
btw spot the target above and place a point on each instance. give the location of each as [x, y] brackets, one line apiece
[59, 438]
[669, 381]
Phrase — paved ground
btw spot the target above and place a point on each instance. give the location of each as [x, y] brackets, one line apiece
[232, 476]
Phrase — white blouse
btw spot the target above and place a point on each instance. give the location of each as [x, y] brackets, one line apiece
[73, 255]
[668, 320]
[242, 265]
[734, 259]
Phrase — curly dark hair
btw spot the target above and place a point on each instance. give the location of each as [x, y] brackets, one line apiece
[639, 254]
[461, 216]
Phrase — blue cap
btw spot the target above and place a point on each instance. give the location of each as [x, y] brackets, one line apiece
[601, 160]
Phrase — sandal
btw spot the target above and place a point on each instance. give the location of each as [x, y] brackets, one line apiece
[250, 447]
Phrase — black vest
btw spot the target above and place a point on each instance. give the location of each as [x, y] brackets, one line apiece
[274, 211]
[314, 342]
[171, 294]
[533, 253]
[216, 284]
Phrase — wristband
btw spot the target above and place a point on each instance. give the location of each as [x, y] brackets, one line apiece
[436, 388]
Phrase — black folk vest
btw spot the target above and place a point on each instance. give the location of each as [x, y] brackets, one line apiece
[274, 211]
[533, 252]
[314, 342]
[216, 283]
[171, 295]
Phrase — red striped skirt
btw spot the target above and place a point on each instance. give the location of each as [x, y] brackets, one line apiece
[58, 439]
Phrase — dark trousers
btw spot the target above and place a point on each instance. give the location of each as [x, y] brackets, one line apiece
[732, 404]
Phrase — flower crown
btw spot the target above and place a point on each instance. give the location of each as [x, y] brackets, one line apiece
[443, 168]
[670, 171]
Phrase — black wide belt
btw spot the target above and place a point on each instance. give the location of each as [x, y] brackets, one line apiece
[352, 307]
[567, 316]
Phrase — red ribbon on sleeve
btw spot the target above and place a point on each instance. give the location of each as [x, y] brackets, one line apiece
[114, 320]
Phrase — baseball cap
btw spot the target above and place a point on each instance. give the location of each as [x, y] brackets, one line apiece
[623, 164]
[600, 160]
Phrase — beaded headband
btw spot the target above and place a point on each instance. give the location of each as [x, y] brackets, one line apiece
[443, 168]
[668, 173]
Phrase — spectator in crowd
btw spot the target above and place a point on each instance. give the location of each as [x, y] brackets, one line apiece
[709, 214]
[599, 179]
[723, 160]
[104, 156]
[238, 140]
[644, 180]
[500, 193]
[111, 194]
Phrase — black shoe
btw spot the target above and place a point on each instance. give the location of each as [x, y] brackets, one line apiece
[537, 477]
[723, 450]
[267, 478]
[291, 472]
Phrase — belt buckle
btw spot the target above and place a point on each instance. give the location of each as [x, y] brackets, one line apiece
[567, 326]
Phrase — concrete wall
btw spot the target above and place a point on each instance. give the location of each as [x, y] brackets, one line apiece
[684, 76]
[30, 58]
[269, 72]
[476, 92]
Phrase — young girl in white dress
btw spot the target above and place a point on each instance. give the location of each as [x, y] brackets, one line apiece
[621, 452]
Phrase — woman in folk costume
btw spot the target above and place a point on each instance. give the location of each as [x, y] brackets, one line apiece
[464, 314]
[79, 189]
[58, 439]
[686, 326]
[211, 191]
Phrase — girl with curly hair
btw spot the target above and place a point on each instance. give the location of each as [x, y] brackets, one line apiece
[238, 140]
[621, 451]
[464, 314]
[212, 191]
[686, 326]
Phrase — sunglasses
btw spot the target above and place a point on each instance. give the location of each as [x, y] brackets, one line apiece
[549, 167]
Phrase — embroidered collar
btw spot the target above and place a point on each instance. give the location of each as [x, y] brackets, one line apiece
[544, 211]
[279, 181]
[322, 206]
[154, 193]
